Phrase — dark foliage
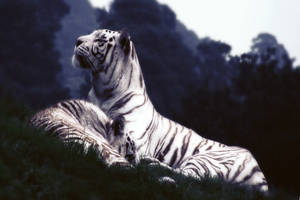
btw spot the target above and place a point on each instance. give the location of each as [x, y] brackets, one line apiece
[36, 166]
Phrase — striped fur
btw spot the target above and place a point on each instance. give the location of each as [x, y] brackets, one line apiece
[118, 88]
[83, 122]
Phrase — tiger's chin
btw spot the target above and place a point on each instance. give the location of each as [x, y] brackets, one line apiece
[80, 62]
[83, 63]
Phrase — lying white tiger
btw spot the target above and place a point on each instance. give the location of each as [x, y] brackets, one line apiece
[83, 122]
[118, 88]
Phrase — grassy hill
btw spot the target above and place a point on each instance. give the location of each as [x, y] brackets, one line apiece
[36, 166]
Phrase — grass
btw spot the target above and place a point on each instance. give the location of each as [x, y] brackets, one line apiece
[36, 166]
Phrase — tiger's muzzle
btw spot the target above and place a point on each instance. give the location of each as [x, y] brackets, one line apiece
[82, 54]
[87, 55]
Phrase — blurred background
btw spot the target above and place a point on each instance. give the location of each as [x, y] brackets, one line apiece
[226, 76]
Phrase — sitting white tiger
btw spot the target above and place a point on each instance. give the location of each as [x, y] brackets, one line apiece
[118, 88]
[83, 122]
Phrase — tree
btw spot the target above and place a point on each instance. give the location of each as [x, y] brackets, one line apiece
[29, 63]
[269, 50]
[213, 68]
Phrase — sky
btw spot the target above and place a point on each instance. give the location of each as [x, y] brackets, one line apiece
[237, 22]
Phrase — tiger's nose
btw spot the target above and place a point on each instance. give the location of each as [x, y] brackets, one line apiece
[79, 42]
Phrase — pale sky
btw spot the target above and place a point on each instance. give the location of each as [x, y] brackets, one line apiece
[237, 22]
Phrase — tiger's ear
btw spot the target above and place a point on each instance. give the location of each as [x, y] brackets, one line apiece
[125, 41]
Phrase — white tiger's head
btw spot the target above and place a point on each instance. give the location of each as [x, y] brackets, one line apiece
[97, 50]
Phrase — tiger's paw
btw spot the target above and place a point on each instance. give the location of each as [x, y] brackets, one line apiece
[166, 180]
[155, 162]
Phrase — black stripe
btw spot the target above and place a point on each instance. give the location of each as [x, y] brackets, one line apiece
[132, 51]
[195, 168]
[79, 106]
[142, 145]
[98, 130]
[162, 142]
[167, 149]
[228, 170]
[237, 173]
[108, 93]
[108, 48]
[184, 147]
[71, 109]
[141, 79]
[65, 106]
[196, 171]
[210, 163]
[253, 171]
[121, 102]
[203, 165]
[155, 125]
[241, 168]
[186, 143]
[209, 147]
[196, 150]
[73, 105]
[112, 72]
[203, 141]
[220, 174]
[130, 76]
[130, 111]
[111, 60]
[149, 125]
[173, 158]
